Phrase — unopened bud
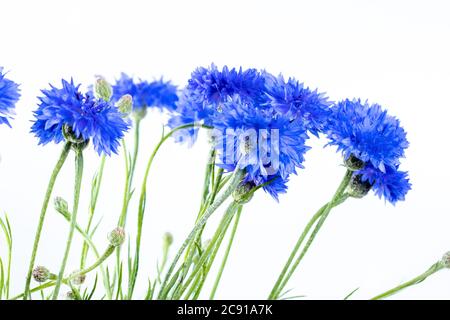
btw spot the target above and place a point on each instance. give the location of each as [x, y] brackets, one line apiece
[70, 295]
[358, 188]
[116, 237]
[353, 163]
[77, 278]
[102, 89]
[242, 194]
[140, 112]
[446, 260]
[41, 274]
[167, 239]
[125, 104]
[61, 206]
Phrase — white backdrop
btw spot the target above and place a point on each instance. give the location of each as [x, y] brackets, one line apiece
[395, 53]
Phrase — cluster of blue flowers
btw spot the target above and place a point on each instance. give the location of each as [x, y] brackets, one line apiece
[260, 123]
[9, 95]
[235, 101]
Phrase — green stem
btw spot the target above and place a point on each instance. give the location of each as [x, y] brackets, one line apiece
[236, 179]
[51, 183]
[96, 183]
[207, 257]
[66, 280]
[90, 243]
[73, 220]
[226, 254]
[433, 269]
[141, 207]
[337, 199]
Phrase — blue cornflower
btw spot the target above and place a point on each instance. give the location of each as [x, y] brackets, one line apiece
[366, 132]
[296, 100]
[269, 147]
[9, 95]
[392, 185]
[85, 116]
[213, 85]
[158, 93]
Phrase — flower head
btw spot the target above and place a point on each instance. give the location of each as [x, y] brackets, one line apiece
[87, 117]
[158, 93]
[9, 95]
[268, 146]
[392, 184]
[294, 99]
[367, 132]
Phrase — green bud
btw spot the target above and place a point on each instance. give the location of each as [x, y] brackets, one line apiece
[70, 295]
[353, 163]
[125, 104]
[116, 237]
[446, 260]
[76, 278]
[102, 89]
[358, 188]
[78, 143]
[61, 206]
[41, 274]
[242, 194]
[140, 113]
[168, 239]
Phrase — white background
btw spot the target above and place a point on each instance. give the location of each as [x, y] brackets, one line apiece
[395, 53]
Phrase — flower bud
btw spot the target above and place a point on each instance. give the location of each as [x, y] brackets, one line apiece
[70, 135]
[140, 113]
[167, 239]
[76, 278]
[446, 260]
[70, 295]
[358, 188]
[116, 237]
[41, 274]
[353, 163]
[242, 194]
[61, 206]
[102, 89]
[125, 104]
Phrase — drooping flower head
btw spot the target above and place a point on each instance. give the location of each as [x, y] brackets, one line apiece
[259, 122]
[367, 132]
[9, 95]
[87, 118]
[392, 185]
[268, 146]
[295, 100]
[158, 93]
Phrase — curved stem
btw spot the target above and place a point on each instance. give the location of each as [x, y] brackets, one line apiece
[305, 232]
[433, 269]
[73, 220]
[49, 284]
[142, 202]
[227, 252]
[236, 178]
[207, 257]
[51, 184]
[337, 199]
[96, 183]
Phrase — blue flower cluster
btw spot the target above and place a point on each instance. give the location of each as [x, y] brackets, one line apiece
[87, 117]
[368, 133]
[261, 123]
[158, 93]
[9, 95]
